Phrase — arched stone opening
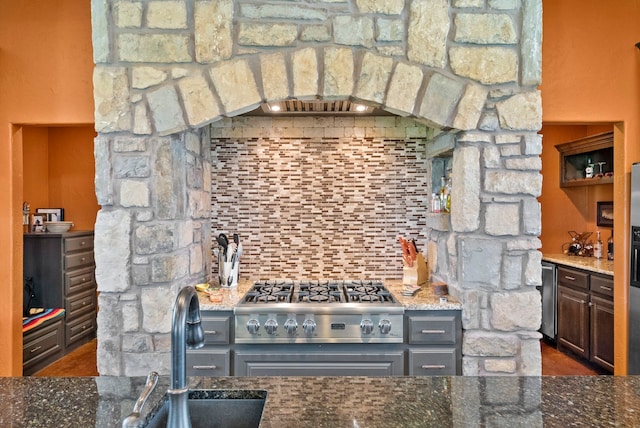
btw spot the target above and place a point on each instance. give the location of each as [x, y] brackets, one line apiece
[154, 105]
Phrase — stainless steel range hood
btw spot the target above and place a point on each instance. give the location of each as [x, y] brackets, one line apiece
[316, 108]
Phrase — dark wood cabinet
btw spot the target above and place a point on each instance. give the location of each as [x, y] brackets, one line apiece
[575, 155]
[62, 269]
[585, 315]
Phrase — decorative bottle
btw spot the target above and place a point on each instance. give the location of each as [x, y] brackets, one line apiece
[588, 171]
[610, 246]
[435, 203]
[597, 248]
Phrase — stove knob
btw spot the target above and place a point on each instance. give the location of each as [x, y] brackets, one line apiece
[309, 327]
[253, 325]
[271, 325]
[291, 326]
[384, 326]
[366, 326]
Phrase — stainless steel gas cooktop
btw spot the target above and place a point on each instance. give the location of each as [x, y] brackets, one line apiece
[345, 311]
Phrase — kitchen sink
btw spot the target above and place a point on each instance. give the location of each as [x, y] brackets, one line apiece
[217, 408]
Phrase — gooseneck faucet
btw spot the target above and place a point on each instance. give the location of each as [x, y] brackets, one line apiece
[186, 331]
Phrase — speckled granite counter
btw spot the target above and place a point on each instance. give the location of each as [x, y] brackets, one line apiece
[593, 401]
[592, 264]
[424, 299]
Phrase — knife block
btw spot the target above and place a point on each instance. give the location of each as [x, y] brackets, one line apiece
[416, 275]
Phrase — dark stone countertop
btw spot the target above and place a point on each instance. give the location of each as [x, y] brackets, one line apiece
[371, 402]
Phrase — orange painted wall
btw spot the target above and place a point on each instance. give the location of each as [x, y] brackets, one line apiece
[46, 71]
[591, 74]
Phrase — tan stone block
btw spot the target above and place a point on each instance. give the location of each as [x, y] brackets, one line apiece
[374, 76]
[213, 30]
[141, 122]
[388, 7]
[275, 82]
[199, 101]
[305, 73]
[144, 77]
[128, 14]
[428, 30]
[263, 34]
[404, 86]
[500, 365]
[487, 65]
[521, 112]
[338, 73]
[353, 30]
[162, 48]
[236, 86]
[485, 28]
[167, 14]
[470, 107]
[111, 97]
[315, 33]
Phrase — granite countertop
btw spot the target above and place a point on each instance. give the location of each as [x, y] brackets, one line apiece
[344, 401]
[424, 299]
[592, 264]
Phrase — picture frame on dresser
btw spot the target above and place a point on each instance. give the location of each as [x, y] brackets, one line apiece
[37, 223]
[51, 214]
[604, 214]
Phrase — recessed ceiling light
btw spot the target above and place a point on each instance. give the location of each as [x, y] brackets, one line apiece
[360, 107]
[275, 107]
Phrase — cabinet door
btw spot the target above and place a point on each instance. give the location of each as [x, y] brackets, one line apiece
[602, 332]
[573, 320]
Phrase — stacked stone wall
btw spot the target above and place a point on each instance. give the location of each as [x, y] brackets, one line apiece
[167, 69]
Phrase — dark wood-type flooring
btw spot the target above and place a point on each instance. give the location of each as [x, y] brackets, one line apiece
[82, 362]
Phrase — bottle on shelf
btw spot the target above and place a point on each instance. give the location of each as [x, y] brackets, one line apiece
[588, 171]
[610, 246]
[597, 247]
[447, 189]
[435, 203]
[442, 194]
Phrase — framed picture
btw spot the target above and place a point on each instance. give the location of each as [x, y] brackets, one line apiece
[605, 214]
[37, 223]
[51, 214]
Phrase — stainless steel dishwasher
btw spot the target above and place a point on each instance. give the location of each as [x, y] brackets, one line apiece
[549, 292]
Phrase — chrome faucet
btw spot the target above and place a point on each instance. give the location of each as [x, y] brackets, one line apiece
[186, 331]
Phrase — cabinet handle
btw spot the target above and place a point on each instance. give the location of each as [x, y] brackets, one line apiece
[433, 332]
[590, 304]
[605, 288]
[83, 243]
[205, 367]
[210, 332]
[83, 259]
[35, 349]
[570, 278]
[433, 366]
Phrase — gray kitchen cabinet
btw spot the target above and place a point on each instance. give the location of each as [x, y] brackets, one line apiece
[42, 346]
[214, 359]
[434, 343]
[62, 269]
[585, 315]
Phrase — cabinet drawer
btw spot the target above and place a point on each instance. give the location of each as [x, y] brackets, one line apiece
[602, 285]
[41, 343]
[208, 362]
[573, 278]
[432, 329]
[77, 329]
[79, 243]
[216, 330]
[79, 280]
[80, 304]
[72, 261]
[432, 362]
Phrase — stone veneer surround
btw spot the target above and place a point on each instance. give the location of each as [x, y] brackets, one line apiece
[167, 69]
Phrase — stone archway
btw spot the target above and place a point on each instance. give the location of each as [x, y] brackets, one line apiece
[165, 70]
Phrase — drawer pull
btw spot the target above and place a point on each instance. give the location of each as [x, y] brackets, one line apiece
[210, 332]
[205, 367]
[605, 288]
[84, 303]
[433, 366]
[83, 259]
[83, 243]
[570, 278]
[433, 332]
[37, 348]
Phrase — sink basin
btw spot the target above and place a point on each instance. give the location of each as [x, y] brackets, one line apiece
[217, 408]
